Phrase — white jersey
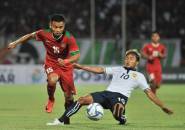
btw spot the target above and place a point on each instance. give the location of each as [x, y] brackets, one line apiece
[124, 80]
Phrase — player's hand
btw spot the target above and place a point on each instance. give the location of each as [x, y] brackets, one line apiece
[12, 45]
[61, 62]
[167, 110]
[76, 66]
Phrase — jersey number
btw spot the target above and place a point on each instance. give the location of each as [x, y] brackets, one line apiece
[124, 76]
[56, 50]
[49, 70]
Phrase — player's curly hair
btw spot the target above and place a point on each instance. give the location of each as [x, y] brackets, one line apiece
[57, 17]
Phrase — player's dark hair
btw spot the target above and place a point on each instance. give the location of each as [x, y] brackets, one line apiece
[155, 32]
[57, 18]
[135, 52]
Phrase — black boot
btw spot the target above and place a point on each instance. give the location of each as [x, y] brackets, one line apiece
[123, 120]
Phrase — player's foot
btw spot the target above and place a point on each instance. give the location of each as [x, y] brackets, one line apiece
[67, 121]
[123, 120]
[55, 122]
[49, 106]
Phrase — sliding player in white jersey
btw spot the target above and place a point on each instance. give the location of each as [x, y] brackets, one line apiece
[125, 79]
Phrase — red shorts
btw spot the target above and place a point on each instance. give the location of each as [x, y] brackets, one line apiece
[155, 75]
[65, 78]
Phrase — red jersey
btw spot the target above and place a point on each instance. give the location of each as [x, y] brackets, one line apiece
[151, 50]
[63, 48]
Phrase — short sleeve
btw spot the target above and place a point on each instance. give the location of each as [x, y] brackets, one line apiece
[110, 70]
[142, 83]
[73, 47]
[38, 35]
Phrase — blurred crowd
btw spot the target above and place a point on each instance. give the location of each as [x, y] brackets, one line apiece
[21, 17]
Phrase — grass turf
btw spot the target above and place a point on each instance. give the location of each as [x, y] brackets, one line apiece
[22, 108]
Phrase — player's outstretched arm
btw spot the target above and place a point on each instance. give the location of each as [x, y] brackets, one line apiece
[21, 40]
[157, 101]
[94, 69]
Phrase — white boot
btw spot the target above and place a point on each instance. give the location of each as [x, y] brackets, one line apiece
[55, 122]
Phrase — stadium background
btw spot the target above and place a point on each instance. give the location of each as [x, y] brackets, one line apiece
[104, 29]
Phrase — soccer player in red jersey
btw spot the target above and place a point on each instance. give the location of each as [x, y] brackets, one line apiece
[61, 51]
[153, 53]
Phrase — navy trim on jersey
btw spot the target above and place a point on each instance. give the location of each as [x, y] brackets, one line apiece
[128, 69]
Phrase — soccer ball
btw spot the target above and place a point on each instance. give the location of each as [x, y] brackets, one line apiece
[95, 111]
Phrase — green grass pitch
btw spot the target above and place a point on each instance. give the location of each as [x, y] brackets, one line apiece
[22, 108]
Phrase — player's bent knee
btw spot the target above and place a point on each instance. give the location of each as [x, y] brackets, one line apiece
[81, 100]
[52, 82]
[52, 79]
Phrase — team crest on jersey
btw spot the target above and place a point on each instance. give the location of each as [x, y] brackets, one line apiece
[134, 75]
